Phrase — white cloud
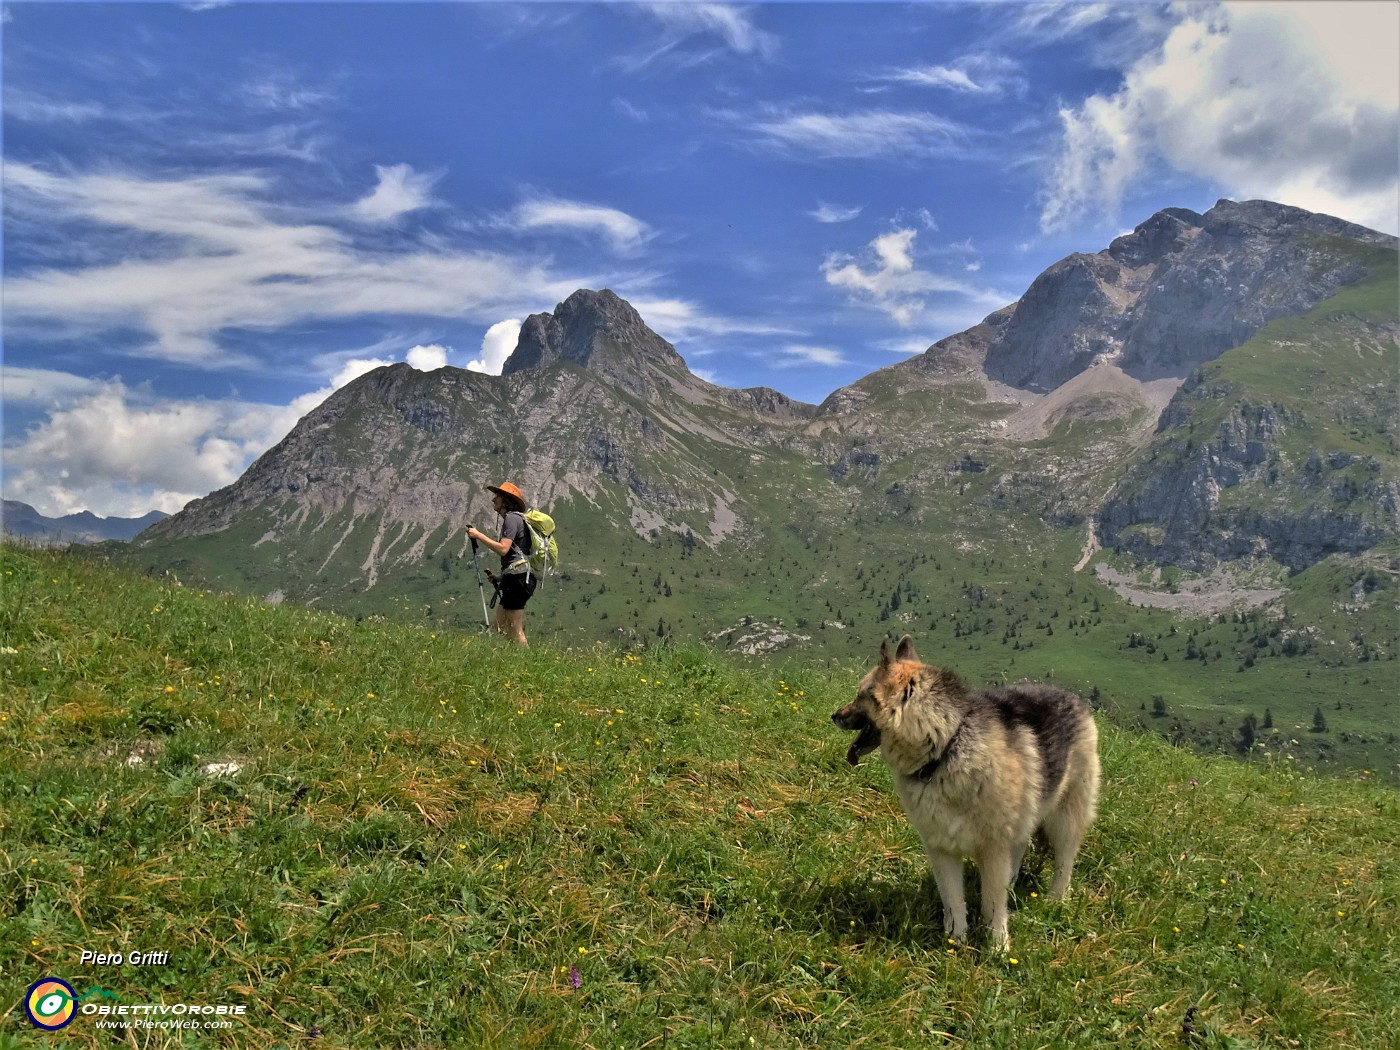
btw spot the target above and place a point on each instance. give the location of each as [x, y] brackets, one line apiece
[352, 369]
[400, 190]
[41, 386]
[115, 451]
[835, 212]
[866, 134]
[625, 232]
[732, 24]
[1295, 102]
[686, 31]
[980, 73]
[118, 450]
[797, 356]
[427, 358]
[36, 109]
[223, 258]
[893, 283]
[677, 320]
[280, 91]
[497, 345]
[1059, 19]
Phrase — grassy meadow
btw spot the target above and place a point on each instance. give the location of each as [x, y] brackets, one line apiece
[371, 834]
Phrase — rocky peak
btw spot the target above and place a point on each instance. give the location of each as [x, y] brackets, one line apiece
[1178, 291]
[597, 330]
[1156, 238]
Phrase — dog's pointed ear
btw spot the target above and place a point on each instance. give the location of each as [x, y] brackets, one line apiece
[885, 658]
[906, 649]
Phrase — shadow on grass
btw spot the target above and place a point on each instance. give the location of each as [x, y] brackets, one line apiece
[906, 912]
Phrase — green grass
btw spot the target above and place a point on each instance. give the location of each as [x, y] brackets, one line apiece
[431, 834]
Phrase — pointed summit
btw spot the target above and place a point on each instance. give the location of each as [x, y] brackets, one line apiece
[599, 331]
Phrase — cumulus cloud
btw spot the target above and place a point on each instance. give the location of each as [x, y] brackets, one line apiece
[427, 358]
[400, 190]
[1295, 102]
[497, 346]
[889, 279]
[115, 451]
[118, 450]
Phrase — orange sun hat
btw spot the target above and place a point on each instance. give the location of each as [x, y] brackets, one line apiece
[509, 493]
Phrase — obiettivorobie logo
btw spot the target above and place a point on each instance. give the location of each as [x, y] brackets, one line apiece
[51, 1003]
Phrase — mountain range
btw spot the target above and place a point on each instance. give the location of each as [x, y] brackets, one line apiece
[1191, 419]
[23, 522]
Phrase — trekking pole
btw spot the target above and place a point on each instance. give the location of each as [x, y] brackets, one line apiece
[476, 565]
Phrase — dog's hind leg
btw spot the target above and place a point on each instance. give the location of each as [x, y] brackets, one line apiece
[1065, 829]
[1066, 825]
[947, 871]
[995, 866]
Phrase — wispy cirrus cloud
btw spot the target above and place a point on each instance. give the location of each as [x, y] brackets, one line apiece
[865, 134]
[282, 91]
[832, 213]
[679, 319]
[215, 252]
[979, 73]
[798, 356]
[623, 231]
[695, 33]
[36, 108]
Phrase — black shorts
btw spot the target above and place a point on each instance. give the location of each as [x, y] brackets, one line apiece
[517, 588]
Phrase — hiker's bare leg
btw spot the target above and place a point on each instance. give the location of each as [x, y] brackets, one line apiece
[511, 623]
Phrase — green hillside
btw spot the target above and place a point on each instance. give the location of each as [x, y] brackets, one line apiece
[431, 839]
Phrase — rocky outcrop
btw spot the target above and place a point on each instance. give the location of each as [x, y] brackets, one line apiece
[1178, 291]
[1236, 497]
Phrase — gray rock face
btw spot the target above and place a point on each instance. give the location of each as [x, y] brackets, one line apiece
[1178, 291]
[598, 331]
[1178, 509]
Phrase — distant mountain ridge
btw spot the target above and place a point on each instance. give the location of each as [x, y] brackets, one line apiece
[1107, 403]
[24, 522]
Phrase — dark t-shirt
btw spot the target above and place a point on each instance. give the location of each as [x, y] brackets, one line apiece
[513, 528]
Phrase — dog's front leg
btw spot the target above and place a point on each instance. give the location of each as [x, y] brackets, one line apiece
[995, 866]
[947, 871]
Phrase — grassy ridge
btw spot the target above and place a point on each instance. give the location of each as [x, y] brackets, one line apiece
[433, 840]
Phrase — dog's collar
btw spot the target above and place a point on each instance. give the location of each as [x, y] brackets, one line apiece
[926, 771]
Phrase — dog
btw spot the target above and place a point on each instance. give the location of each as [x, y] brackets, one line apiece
[978, 772]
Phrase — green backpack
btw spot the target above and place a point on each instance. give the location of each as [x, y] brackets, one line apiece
[543, 558]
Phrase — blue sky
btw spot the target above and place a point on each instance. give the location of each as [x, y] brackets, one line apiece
[217, 213]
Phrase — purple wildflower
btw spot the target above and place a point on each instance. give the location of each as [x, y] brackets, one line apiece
[574, 978]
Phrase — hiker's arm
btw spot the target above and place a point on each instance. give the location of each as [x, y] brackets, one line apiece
[501, 547]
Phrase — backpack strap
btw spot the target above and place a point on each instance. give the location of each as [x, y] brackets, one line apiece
[521, 564]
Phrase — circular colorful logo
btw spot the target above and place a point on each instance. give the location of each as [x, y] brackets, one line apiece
[51, 1003]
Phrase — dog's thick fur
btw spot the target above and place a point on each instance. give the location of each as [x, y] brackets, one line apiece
[978, 772]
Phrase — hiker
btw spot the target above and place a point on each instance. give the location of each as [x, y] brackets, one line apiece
[514, 584]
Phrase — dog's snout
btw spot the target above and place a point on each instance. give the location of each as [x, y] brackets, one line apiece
[846, 717]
